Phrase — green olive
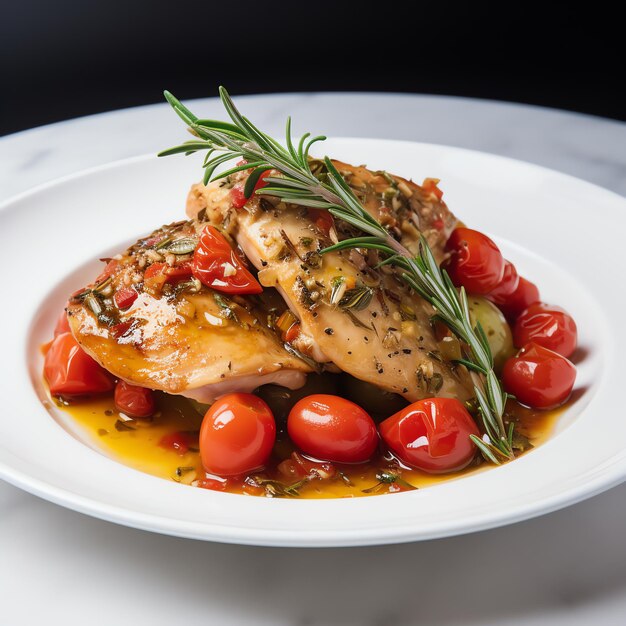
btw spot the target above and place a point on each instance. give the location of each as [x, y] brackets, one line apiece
[380, 404]
[496, 328]
[281, 399]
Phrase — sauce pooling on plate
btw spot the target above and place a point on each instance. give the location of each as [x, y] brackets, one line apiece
[166, 446]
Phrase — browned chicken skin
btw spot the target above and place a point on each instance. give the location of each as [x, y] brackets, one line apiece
[179, 336]
[363, 320]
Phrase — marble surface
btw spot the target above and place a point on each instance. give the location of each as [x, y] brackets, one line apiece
[566, 568]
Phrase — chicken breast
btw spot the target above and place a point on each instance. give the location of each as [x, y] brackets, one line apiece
[363, 320]
[149, 322]
[403, 207]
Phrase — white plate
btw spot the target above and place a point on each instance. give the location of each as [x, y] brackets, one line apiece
[562, 233]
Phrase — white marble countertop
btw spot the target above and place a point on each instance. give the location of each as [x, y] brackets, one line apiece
[569, 567]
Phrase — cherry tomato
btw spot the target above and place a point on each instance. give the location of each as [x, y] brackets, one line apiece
[70, 371]
[134, 401]
[475, 262]
[525, 295]
[546, 325]
[216, 265]
[237, 435]
[332, 428]
[179, 441]
[432, 435]
[63, 325]
[538, 377]
[507, 286]
[125, 297]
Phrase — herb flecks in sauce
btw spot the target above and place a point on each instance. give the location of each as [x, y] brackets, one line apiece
[138, 447]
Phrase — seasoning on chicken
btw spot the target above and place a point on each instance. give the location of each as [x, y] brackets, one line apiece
[150, 321]
[359, 317]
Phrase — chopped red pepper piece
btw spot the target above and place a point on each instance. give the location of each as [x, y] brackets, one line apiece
[124, 297]
[237, 198]
[322, 219]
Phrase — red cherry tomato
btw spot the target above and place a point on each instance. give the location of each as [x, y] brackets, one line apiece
[546, 325]
[475, 262]
[507, 286]
[432, 435]
[524, 295]
[134, 401]
[125, 297]
[333, 429]
[179, 441]
[63, 325]
[70, 371]
[538, 377]
[237, 435]
[216, 265]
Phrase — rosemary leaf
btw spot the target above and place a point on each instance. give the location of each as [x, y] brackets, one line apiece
[296, 183]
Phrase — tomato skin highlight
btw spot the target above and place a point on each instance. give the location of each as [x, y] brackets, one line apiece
[549, 326]
[213, 257]
[134, 401]
[332, 428]
[476, 263]
[538, 377]
[432, 435]
[70, 371]
[507, 286]
[524, 295]
[237, 435]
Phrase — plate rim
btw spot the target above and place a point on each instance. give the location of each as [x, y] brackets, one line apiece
[367, 536]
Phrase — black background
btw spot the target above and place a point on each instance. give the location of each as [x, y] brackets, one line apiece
[59, 60]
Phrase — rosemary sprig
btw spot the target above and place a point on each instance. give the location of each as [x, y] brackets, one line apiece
[297, 184]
